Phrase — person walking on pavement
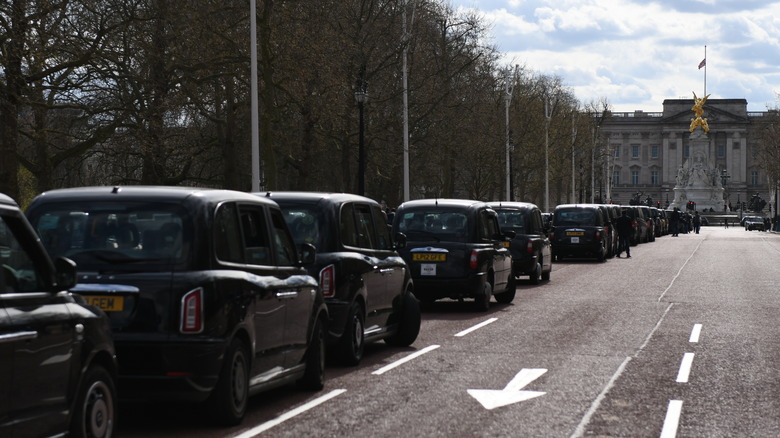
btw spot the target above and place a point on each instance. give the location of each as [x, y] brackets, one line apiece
[696, 222]
[726, 221]
[625, 227]
[675, 222]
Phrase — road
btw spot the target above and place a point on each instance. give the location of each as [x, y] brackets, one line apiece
[680, 340]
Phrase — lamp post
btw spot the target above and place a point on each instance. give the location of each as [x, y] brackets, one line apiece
[547, 116]
[361, 97]
[507, 101]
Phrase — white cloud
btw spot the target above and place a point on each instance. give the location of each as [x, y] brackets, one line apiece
[636, 54]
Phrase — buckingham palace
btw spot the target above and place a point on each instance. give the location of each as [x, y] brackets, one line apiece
[646, 150]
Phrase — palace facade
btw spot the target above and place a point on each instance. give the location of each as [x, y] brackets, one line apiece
[647, 149]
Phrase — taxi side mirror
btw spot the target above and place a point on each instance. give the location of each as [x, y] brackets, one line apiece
[399, 240]
[307, 253]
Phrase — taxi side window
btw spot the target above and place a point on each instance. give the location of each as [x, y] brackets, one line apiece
[347, 227]
[227, 234]
[256, 247]
[488, 225]
[365, 227]
[284, 247]
[382, 232]
[18, 272]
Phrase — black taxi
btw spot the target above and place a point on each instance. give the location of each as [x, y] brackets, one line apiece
[579, 231]
[456, 249]
[530, 248]
[57, 360]
[366, 284]
[207, 295]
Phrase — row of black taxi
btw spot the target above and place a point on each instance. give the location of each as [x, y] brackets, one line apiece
[588, 230]
[204, 295]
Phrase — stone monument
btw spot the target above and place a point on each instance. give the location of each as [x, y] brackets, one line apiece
[697, 180]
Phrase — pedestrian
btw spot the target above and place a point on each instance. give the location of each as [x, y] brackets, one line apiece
[675, 222]
[696, 222]
[726, 221]
[625, 227]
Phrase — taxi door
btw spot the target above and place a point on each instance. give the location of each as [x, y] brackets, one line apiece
[38, 338]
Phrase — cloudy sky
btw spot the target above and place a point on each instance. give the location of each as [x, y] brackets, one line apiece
[636, 54]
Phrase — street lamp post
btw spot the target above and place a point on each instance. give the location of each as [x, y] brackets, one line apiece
[547, 117]
[507, 101]
[361, 97]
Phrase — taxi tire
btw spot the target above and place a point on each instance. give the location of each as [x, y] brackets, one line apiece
[314, 377]
[511, 291]
[408, 322]
[483, 301]
[352, 342]
[228, 400]
[546, 274]
[94, 413]
[536, 275]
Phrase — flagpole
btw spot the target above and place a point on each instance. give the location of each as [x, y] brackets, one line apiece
[705, 70]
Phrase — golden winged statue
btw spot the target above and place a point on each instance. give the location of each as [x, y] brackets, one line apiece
[698, 109]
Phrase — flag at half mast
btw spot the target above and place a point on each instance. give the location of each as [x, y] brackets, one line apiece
[702, 63]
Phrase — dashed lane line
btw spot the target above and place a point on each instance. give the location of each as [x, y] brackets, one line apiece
[476, 327]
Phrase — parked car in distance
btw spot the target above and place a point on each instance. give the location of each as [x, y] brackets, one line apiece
[578, 232]
[638, 217]
[754, 223]
[207, 296]
[57, 359]
[366, 284]
[455, 249]
[650, 221]
[530, 248]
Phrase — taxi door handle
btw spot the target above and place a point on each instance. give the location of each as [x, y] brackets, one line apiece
[18, 336]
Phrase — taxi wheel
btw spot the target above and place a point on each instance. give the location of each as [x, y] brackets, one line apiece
[483, 301]
[536, 275]
[95, 409]
[351, 343]
[511, 290]
[314, 376]
[408, 322]
[229, 399]
[546, 274]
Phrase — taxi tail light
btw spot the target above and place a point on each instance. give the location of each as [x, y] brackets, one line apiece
[529, 248]
[598, 235]
[473, 260]
[192, 312]
[328, 281]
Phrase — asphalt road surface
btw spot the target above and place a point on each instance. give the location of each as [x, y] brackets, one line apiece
[680, 340]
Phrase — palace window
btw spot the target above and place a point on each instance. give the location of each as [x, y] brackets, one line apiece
[654, 177]
[654, 151]
[634, 177]
[634, 151]
[615, 177]
[754, 177]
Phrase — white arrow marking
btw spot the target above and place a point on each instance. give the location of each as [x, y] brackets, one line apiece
[512, 393]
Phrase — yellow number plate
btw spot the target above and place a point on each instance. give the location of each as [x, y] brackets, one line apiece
[106, 303]
[426, 257]
[505, 244]
[575, 233]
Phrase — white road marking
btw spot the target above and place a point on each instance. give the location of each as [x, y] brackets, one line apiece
[389, 367]
[257, 430]
[672, 419]
[695, 333]
[476, 327]
[512, 393]
[680, 271]
[580, 430]
[685, 368]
